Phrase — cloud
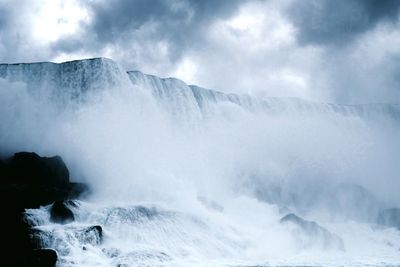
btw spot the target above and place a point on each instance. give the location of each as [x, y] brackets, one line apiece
[149, 35]
[254, 52]
[3, 17]
[359, 41]
[178, 22]
[28, 28]
[339, 22]
[366, 70]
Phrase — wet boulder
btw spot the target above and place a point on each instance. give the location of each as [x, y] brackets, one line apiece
[61, 213]
[389, 217]
[312, 233]
[3, 166]
[29, 181]
[38, 238]
[30, 168]
[43, 258]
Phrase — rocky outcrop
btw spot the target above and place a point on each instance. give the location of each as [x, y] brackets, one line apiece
[30, 168]
[42, 257]
[315, 233]
[30, 181]
[61, 213]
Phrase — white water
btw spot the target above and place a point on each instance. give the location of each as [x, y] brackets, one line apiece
[187, 176]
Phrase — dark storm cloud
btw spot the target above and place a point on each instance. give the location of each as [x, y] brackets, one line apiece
[110, 19]
[178, 23]
[6, 15]
[337, 22]
[3, 17]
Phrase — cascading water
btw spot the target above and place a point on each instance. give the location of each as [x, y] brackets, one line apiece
[185, 176]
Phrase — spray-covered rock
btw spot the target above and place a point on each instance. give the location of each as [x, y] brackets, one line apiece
[314, 232]
[61, 213]
[92, 235]
[42, 258]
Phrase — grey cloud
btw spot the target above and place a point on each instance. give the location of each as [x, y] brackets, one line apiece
[338, 22]
[112, 19]
[176, 17]
[16, 44]
[3, 17]
[180, 24]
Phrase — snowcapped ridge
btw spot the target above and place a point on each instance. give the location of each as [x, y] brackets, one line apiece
[74, 78]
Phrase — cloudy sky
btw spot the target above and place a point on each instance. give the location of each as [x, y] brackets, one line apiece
[345, 51]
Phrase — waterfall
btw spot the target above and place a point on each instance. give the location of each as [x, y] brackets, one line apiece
[188, 176]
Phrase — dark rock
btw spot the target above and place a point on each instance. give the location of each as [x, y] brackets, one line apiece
[24, 196]
[97, 229]
[61, 213]
[30, 181]
[38, 237]
[316, 232]
[389, 217]
[43, 258]
[30, 168]
[3, 168]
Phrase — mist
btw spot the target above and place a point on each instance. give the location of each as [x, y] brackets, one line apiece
[123, 134]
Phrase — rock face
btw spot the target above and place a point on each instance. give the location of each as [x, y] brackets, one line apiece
[43, 258]
[390, 217]
[61, 213]
[30, 181]
[315, 233]
[30, 168]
